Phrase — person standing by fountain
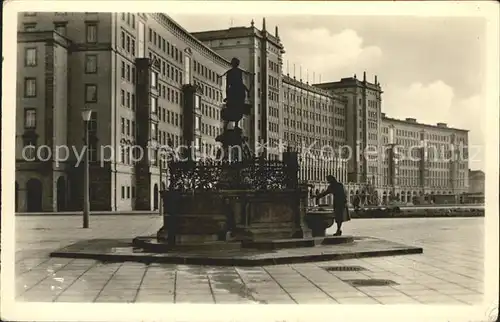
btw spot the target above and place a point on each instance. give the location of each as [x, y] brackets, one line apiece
[340, 210]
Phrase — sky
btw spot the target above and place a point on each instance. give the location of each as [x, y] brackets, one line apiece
[430, 68]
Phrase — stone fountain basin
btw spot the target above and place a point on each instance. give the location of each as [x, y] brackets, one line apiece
[319, 219]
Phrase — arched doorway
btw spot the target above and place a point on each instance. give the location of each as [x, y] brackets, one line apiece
[16, 205]
[384, 198]
[61, 194]
[155, 197]
[34, 195]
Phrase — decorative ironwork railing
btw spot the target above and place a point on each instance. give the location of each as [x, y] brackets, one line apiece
[253, 174]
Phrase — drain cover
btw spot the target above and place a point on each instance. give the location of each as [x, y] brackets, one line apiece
[344, 268]
[371, 282]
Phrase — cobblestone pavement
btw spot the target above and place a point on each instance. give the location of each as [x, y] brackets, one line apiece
[449, 272]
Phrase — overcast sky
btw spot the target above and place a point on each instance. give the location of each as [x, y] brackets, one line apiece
[429, 68]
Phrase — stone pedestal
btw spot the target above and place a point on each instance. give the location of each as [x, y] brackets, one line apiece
[233, 214]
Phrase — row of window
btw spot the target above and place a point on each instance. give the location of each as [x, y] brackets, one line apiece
[127, 72]
[274, 127]
[207, 73]
[126, 192]
[210, 111]
[297, 138]
[164, 45]
[127, 42]
[275, 67]
[127, 99]
[300, 112]
[209, 91]
[307, 101]
[30, 90]
[127, 127]
[128, 18]
[373, 136]
[303, 126]
[171, 94]
[273, 96]
[210, 130]
[170, 117]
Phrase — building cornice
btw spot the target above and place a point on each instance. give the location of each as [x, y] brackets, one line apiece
[43, 36]
[415, 123]
[350, 82]
[167, 22]
[311, 88]
[238, 32]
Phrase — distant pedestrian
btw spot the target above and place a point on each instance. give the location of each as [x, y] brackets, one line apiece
[356, 201]
[340, 210]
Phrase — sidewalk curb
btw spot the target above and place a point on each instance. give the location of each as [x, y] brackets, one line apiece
[80, 213]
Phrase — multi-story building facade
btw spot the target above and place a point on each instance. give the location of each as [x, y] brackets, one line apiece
[363, 119]
[423, 161]
[148, 83]
[314, 123]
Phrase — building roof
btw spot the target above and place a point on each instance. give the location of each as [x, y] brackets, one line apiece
[476, 173]
[238, 32]
[350, 82]
[308, 87]
[412, 121]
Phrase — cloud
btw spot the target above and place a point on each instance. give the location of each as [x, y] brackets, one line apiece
[331, 54]
[437, 102]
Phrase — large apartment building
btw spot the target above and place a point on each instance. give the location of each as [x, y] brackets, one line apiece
[423, 161]
[148, 83]
[314, 122]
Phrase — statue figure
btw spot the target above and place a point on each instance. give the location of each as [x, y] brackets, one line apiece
[237, 92]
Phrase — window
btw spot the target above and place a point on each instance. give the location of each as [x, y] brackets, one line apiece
[154, 78]
[90, 93]
[123, 125]
[29, 118]
[154, 104]
[198, 143]
[187, 70]
[30, 87]
[128, 192]
[30, 57]
[29, 27]
[196, 101]
[60, 28]
[142, 44]
[29, 149]
[90, 64]
[123, 39]
[197, 122]
[123, 192]
[153, 131]
[91, 32]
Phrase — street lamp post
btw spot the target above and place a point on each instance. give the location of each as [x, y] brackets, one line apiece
[86, 115]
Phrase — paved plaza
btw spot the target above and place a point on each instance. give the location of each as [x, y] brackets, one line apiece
[450, 271]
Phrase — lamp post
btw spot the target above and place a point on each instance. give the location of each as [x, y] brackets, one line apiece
[86, 115]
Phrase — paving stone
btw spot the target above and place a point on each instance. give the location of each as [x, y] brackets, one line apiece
[449, 269]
